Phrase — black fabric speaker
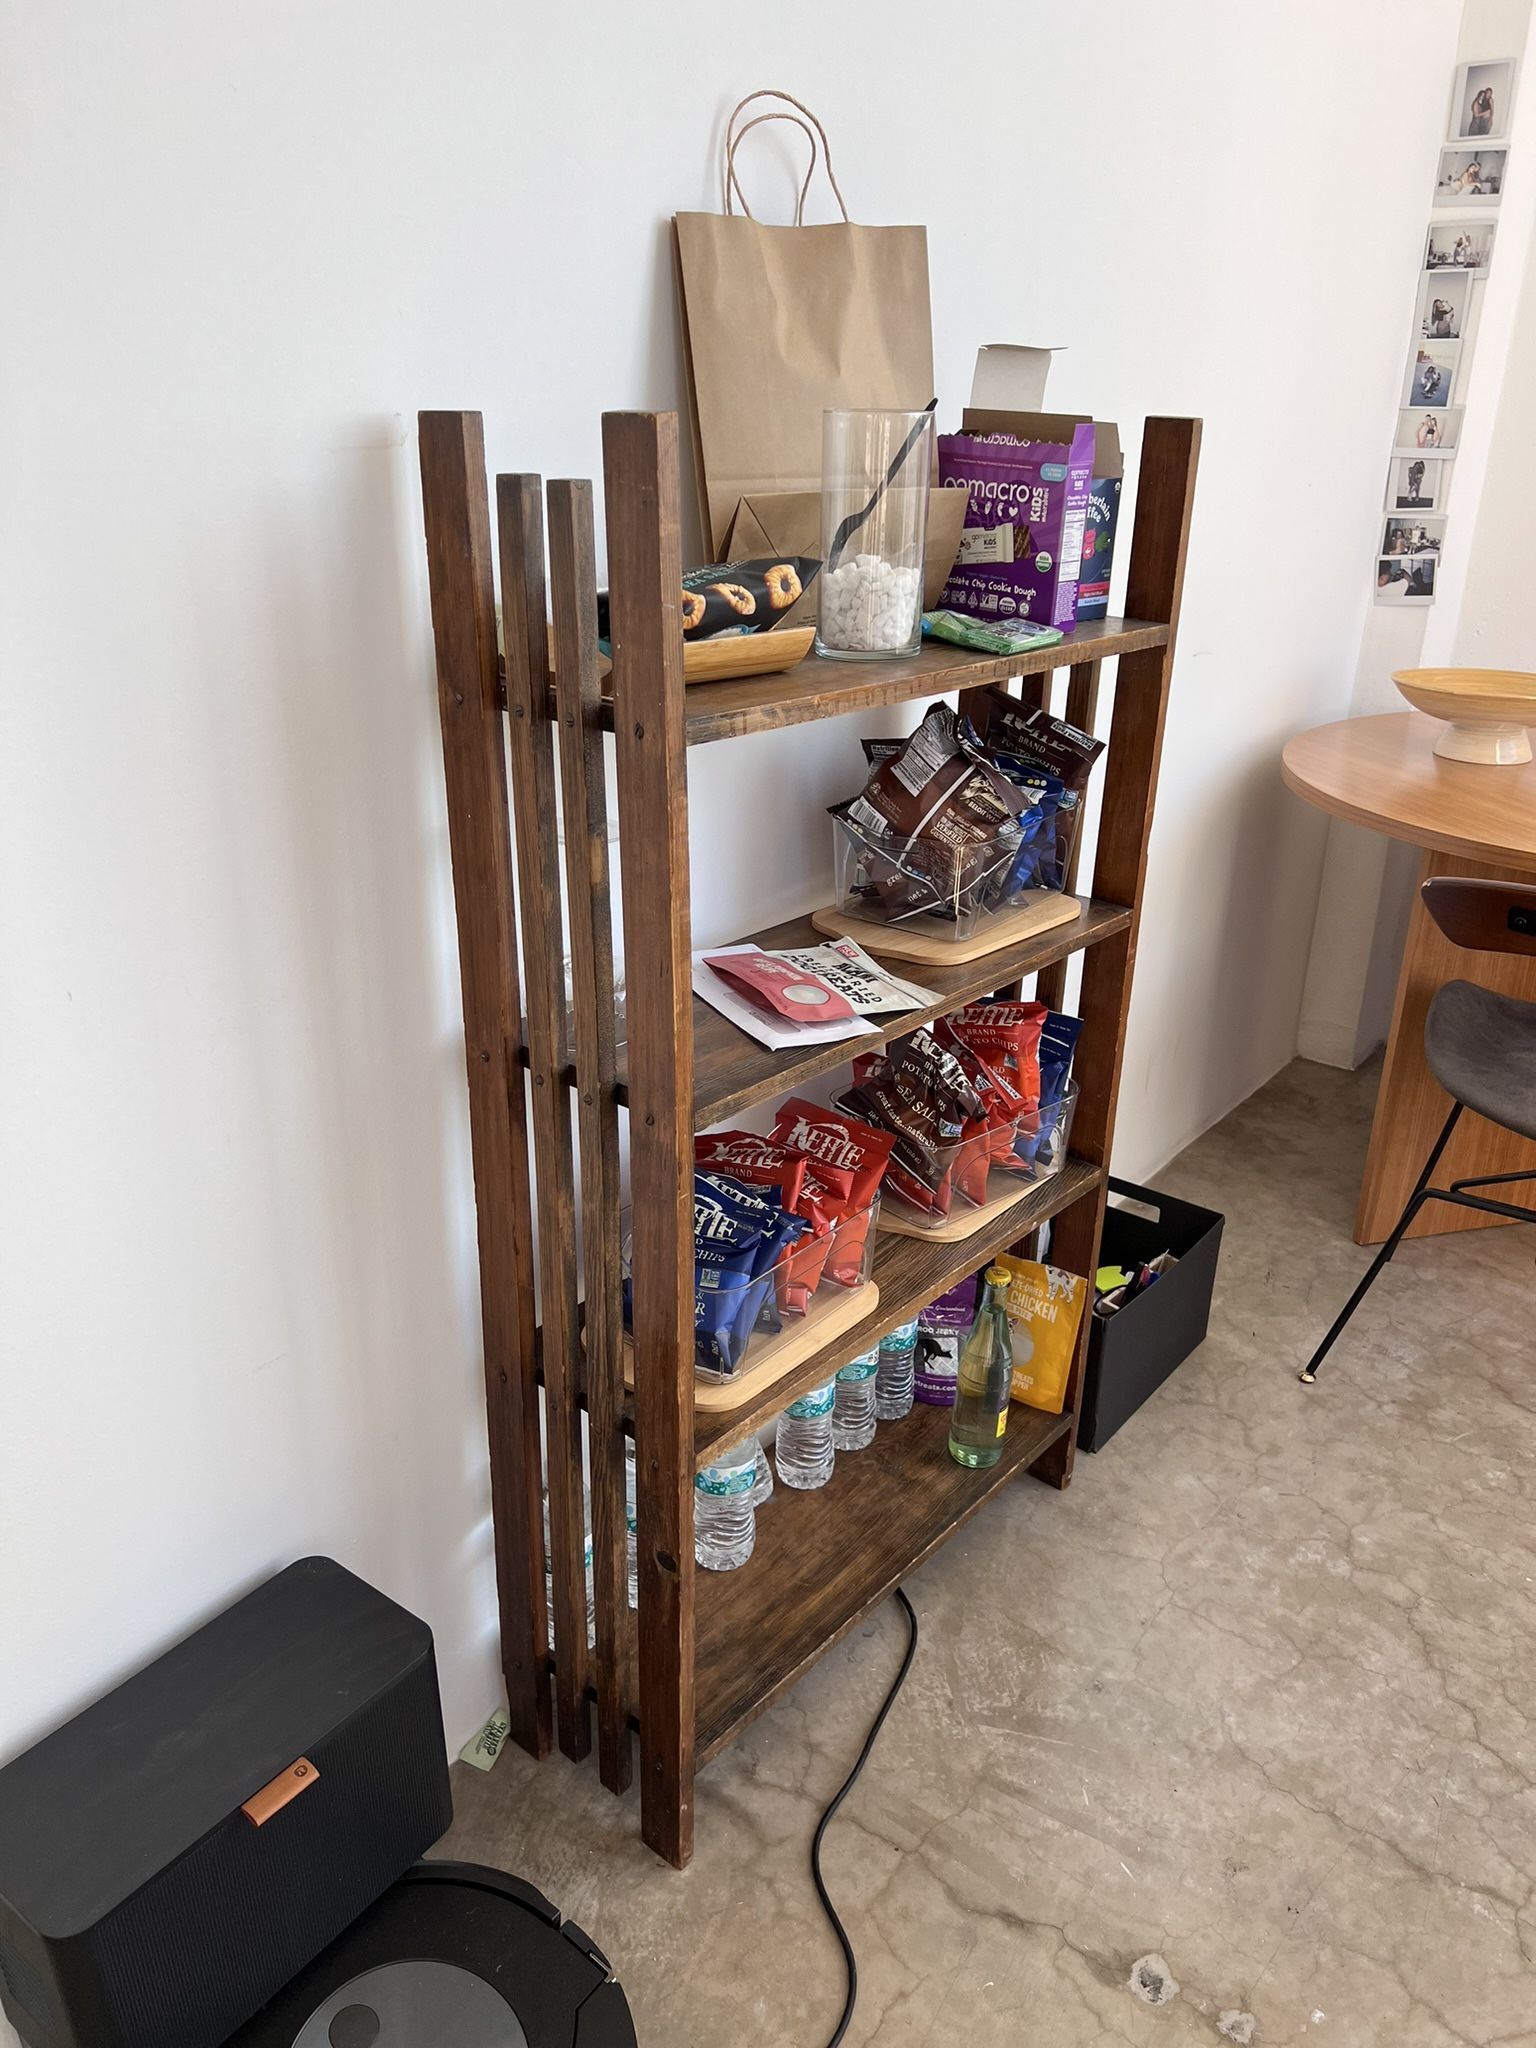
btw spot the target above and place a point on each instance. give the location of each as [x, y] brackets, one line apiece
[170, 1858]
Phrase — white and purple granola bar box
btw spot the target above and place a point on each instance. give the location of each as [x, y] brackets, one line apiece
[1022, 544]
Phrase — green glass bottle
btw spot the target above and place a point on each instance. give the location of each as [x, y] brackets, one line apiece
[984, 1381]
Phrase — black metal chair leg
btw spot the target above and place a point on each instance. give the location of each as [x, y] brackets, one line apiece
[1308, 1373]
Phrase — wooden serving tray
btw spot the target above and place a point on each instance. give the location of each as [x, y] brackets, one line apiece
[1003, 1190]
[830, 1314]
[910, 941]
[746, 654]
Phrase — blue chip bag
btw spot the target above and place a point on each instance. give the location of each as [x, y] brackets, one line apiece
[730, 1231]
[739, 1237]
[1058, 1041]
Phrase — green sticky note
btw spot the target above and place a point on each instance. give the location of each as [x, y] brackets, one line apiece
[1109, 1277]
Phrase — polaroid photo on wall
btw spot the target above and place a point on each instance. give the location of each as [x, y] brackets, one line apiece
[1482, 100]
[1442, 310]
[1461, 247]
[1406, 579]
[1470, 177]
[1421, 430]
[1432, 373]
[1413, 536]
[1418, 483]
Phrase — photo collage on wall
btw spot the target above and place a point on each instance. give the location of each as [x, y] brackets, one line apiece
[1469, 182]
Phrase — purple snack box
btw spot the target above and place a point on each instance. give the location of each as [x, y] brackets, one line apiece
[1022, 545]
[941, 1331]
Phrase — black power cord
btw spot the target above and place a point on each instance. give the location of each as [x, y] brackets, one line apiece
[831, 1814]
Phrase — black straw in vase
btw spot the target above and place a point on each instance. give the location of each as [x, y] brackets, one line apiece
[855, 520]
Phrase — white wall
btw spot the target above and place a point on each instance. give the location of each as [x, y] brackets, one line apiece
[1368, 882]
[241, 248]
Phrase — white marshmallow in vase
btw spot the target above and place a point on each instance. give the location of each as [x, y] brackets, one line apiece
[869, 605]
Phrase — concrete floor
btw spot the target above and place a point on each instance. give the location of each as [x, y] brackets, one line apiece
[1255, 1697]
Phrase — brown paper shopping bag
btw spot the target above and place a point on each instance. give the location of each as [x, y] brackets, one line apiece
[781, 323]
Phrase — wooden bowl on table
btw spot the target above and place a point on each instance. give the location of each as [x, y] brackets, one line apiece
[1486, 710]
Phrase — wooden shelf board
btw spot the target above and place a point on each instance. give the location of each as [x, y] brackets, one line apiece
[731, 1071]
[822, 687]
[824, 1559]
[909, 1272]
[924, 942]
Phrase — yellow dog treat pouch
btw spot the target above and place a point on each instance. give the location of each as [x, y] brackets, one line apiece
[1045, 1306]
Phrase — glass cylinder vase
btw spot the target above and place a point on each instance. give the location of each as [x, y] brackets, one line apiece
[875, 474]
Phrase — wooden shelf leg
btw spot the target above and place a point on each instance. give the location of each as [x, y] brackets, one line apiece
[457, 517]
[1164, 500]
[645, 575]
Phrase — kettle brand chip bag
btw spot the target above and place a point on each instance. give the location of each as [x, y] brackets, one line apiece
[918, 1091]
[1045, 1307]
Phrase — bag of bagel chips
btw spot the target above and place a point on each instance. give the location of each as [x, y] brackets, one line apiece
[1045, 1308]
[743, 597]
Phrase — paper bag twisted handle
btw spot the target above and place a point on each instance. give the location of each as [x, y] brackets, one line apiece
[733, 138]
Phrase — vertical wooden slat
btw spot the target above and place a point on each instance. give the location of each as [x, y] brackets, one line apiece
[1082, 709]
[457, 520]
[584, 797]
[645, 578]
[520, 526]
[1164, 500]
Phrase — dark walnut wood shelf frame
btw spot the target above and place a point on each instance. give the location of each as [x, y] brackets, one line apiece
[548, 1083]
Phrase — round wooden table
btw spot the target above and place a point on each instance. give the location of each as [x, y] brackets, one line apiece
[1383, 773]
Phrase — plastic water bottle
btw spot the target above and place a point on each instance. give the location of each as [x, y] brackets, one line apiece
[762, 1476]
[893, 1382]
[549, 1576]
[802, 1447]
[631, 1511]
[724, 1519]
[853, 1411]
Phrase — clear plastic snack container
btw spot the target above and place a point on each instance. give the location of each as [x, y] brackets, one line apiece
[1047, 1133]
[942, 890]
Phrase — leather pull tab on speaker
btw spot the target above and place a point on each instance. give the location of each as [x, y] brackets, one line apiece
[285, 1787]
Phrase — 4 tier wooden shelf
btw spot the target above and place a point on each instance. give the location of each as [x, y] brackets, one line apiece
[525, 745]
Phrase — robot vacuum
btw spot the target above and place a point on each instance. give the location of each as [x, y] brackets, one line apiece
[452, 1956]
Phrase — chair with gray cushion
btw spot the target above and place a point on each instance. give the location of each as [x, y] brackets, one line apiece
[1481, 1047]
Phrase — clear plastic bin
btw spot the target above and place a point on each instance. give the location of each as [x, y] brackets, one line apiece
[995, 1163]
[965, 1185]
[735, 1317]
[952, 892]
[1043, 1139]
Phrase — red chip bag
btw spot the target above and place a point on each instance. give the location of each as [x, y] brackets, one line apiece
[749, 1157]
[1007, 1037]
[837, 1145]
[1002, 1104]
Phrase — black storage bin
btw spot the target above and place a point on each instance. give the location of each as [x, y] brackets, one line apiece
[1131, 1353]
